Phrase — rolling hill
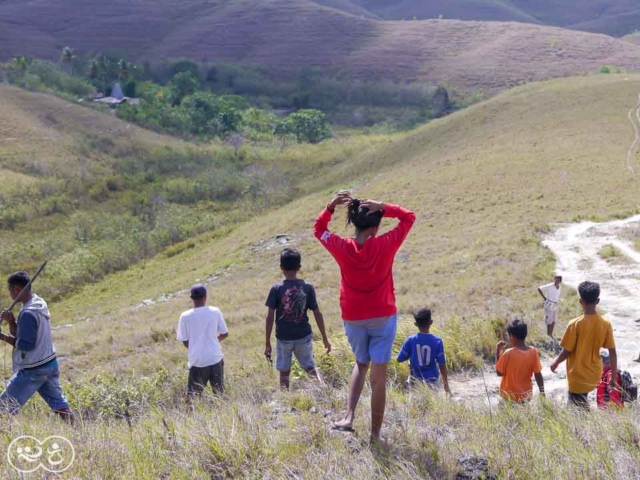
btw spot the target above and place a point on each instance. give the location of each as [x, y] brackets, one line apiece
[485, 182]
[285, 36]
[99, 194]
[613, 17]
[478, 222]
[633, 38]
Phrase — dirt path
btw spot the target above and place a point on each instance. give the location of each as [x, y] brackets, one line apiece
[576, 248]
[634, 112]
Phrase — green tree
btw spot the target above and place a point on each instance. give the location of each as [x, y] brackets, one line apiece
[67, 58]
[99, 73]
[182, 66]
[283, 130]
[182, 85]
[94, 70]
[310, 126]
[211, 115]
[21, 63]
[129, 89]
[123, 70]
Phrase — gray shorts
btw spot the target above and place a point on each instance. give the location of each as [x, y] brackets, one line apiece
[550, 316]
[302, 349]
[199, 377]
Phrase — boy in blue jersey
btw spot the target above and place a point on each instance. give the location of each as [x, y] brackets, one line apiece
[426, 353]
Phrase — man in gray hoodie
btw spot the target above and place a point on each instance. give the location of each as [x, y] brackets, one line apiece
[35, 366]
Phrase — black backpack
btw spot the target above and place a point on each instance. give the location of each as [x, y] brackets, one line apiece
[629, 389]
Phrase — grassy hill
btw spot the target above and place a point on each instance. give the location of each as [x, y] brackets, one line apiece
[481, 10]
[286, 36]
[613, 17]
[97, 194]
[474, 255]
[633, 38]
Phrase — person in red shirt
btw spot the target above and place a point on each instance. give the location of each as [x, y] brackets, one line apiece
[605, 395]
[367, 297]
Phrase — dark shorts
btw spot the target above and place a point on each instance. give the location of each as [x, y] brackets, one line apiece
[199, 377]
[580, 400]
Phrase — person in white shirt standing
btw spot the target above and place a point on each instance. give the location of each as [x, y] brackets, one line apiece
[201, 330]
[551, 295]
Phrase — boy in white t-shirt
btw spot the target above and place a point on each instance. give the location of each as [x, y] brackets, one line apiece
[551, 295]
[201, 330]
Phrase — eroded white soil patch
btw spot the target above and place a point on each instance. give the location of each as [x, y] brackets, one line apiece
[576, 248]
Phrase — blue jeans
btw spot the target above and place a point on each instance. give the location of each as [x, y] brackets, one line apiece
[372, 344]
[302, 349]
[23, 385]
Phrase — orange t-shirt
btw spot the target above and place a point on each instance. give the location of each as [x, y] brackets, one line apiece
[516, 367]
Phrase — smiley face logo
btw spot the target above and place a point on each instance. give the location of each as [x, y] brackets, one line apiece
[54, 454]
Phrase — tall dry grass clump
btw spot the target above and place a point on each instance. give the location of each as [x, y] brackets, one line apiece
[142, 429]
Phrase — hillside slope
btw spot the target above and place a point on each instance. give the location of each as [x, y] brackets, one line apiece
[613, 17]
[288, 35]
[481, 10]
[485, 182]
[474, 253]
[96, 194]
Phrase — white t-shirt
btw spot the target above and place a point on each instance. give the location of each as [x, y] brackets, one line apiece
[551, 292]
[201, 327]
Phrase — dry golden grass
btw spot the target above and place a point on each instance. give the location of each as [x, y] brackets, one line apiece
[256, 432]
[613, 17]
[289, 35]
[45, 128]
[485, 182]
[633, 38]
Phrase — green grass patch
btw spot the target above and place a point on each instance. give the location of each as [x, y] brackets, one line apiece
[612, 254]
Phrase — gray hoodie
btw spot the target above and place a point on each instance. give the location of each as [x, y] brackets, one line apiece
[44, 351]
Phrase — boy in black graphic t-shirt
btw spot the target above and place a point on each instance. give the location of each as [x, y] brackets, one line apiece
[288, 303]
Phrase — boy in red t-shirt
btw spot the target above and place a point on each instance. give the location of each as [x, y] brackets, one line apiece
[606, 396]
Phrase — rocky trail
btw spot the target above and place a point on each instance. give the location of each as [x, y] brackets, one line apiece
[577, 250]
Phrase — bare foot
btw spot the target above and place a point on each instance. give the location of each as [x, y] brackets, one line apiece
[377, 444]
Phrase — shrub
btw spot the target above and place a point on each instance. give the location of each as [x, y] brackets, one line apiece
[308, 126]
[182, 85]
[609, 252]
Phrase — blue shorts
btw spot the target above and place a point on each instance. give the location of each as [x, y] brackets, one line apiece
[372, 344]
[302, 349]
[23, 385]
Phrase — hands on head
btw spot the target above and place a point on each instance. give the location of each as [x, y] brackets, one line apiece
[344, 197]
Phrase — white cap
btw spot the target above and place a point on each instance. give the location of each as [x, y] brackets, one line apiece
[604, 354]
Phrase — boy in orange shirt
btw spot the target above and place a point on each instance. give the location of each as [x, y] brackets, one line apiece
[581, 345]
[517, 365]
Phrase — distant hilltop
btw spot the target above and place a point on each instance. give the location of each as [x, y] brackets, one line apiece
[338, 36]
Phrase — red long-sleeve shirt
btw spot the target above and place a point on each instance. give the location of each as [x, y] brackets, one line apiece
[366, 290]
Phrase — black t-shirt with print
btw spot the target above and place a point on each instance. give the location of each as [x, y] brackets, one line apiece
[291, 299]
